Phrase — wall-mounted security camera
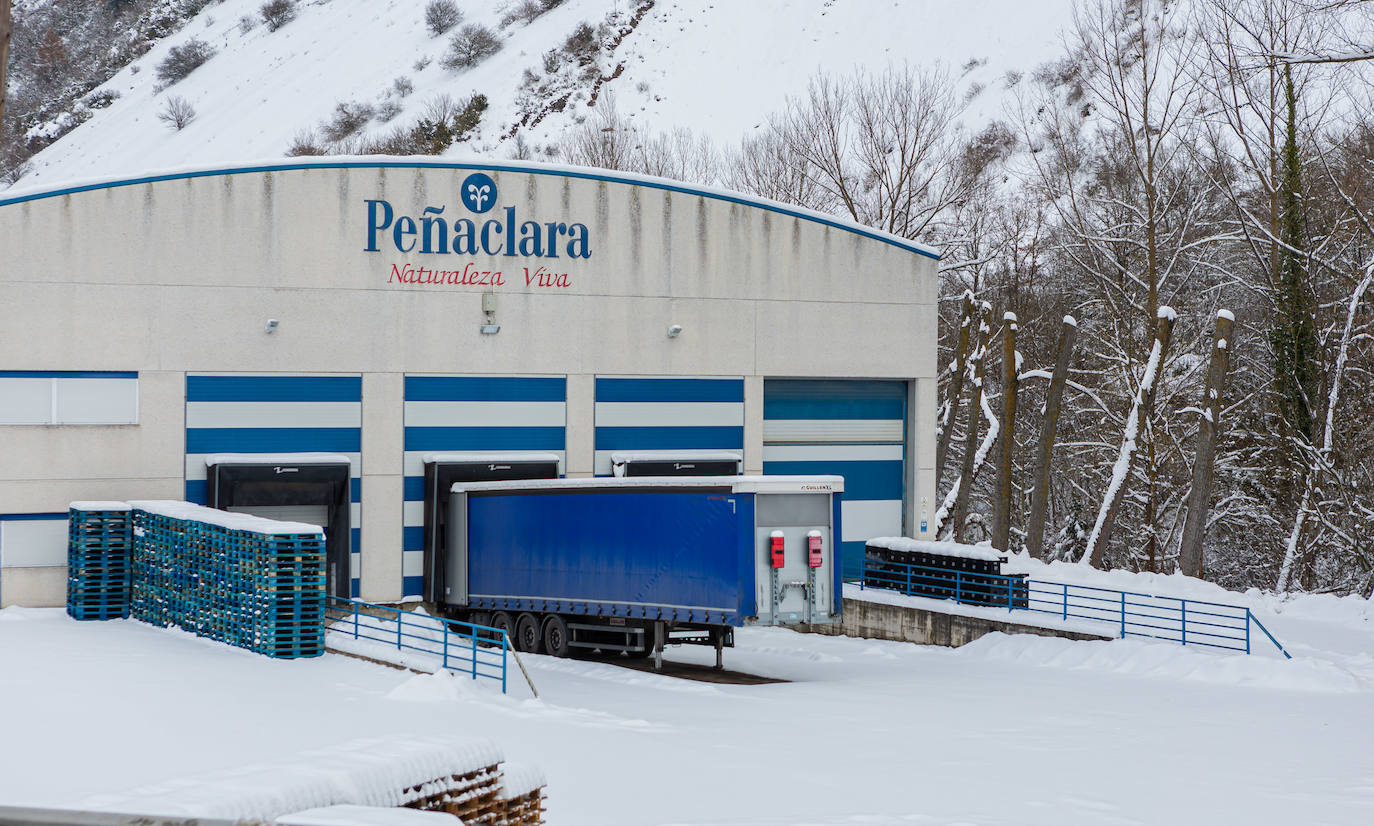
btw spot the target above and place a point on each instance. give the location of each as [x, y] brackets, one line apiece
[271, 326]
[674, 331]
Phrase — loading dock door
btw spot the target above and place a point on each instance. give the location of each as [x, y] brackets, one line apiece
[316, 494]
[441, 472]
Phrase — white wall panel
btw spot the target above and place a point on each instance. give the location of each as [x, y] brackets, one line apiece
[33, 543]
[96, 401]
[25, 401]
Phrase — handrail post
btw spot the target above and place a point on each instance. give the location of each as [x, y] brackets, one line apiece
[1123, 615]
[400, 622]
[505, 643]
[445, 629]
[1066, 601]
[355, 619]
[1009, 600]
[908, 580]
[1247, 630]
[1183, 622]
[958, 588]
[473, 640]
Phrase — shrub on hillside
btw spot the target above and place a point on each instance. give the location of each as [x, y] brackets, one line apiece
[525, 12]
[471, 45]
[277, 13]
[182, 60]
[442, 15]
[177, 113]
[306, 142]
[583, 44]
[348, 118]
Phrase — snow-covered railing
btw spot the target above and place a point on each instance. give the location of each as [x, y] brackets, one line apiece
[1133, 614]
[461, 647]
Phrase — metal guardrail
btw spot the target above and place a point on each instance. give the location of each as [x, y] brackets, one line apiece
[476, 650]
[1133, 614]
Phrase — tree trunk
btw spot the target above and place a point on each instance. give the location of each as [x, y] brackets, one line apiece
[1035, 525]
[956, 387]
[975, 419]
[1101, 534]
[4, 56]
[1001, 517]
[1200, 498]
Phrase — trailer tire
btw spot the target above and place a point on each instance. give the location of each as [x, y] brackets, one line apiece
[503, 621]
[527, 637]
[556, 636]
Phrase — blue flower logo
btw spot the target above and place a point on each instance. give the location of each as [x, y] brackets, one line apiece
[478, 192]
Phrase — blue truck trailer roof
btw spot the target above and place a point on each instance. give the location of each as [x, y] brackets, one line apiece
[735, 484]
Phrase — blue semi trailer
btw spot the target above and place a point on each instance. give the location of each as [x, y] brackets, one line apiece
[634, 564]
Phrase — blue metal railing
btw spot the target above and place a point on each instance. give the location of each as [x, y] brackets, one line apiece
[1133, 614]
[463, 648]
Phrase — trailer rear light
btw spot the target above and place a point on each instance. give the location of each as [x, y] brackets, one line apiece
[778, 553]
[813, 545]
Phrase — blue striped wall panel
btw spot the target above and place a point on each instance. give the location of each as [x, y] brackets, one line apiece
[676, 414]
[276, 414]
[472, 414]
[851, 428]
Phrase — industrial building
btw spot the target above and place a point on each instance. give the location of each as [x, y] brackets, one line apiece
[300, 339]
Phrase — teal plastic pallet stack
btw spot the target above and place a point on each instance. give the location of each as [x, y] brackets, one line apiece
[249, 582]
[99, 560]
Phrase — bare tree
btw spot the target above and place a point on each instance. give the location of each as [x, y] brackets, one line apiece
[880, 149]
[5, 28]
[1111, 132]
[1101, 534]
[177, 113]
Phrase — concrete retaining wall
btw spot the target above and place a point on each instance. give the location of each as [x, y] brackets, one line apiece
[879, 621]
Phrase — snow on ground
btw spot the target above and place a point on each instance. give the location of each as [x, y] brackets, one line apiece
[718, 68]
[1007, 730]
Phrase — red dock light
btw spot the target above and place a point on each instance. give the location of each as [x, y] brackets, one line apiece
[776, 544]
[813, 545]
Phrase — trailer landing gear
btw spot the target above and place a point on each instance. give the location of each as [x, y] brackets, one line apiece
[658, 645]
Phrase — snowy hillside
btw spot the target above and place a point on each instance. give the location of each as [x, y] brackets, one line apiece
[718, 68]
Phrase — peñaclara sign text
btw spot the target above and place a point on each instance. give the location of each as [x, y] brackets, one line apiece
[504, 234]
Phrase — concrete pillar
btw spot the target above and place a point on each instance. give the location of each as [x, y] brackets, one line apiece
[920, 464]
[581, 428]
[753, 425]
[383, 488]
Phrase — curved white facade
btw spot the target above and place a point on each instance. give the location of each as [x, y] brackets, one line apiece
[133, 295]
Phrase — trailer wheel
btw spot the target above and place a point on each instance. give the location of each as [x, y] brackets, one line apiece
[556, 636]
[503, 621]
[527, 634]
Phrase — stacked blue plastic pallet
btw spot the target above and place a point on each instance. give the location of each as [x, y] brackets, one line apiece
[230, 577]
[99, 560]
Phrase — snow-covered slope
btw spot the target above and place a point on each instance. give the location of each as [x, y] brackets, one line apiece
[715, 66]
